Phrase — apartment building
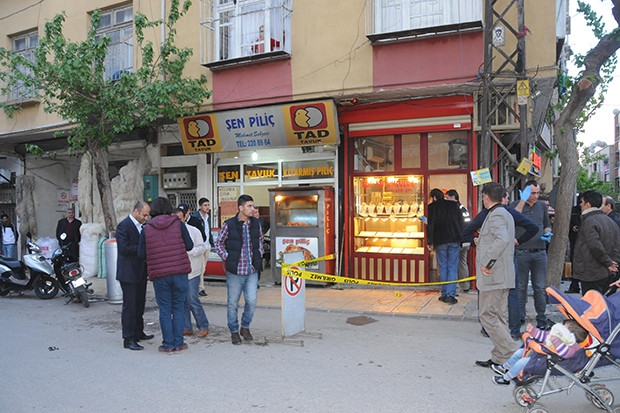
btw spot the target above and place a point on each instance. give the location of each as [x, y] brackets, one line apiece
[377, 99]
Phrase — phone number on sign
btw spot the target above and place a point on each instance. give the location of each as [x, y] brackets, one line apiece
[250, 143]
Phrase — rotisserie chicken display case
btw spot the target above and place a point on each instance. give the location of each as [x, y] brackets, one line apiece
[302, 219]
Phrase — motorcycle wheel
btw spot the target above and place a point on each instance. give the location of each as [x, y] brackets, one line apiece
[4, 290]
[46, 287]
[84, 298]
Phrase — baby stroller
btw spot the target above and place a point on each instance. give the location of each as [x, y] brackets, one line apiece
[600, 316]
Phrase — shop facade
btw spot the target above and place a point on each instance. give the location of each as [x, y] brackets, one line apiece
[259, 149]
[394, 154]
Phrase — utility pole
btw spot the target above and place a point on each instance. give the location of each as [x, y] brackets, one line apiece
[504, 64]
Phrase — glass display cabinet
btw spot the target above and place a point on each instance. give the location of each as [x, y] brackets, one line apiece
[302, 219]
[387, 215]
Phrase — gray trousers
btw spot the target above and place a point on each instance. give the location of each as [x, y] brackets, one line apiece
[493, 309]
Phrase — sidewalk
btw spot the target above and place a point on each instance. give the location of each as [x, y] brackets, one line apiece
[421, 302]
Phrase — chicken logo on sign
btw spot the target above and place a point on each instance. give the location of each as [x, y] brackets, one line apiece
[309, 123]
[198, 128]
[308, 117]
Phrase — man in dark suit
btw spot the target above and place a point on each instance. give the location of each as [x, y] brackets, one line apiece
[131, 273]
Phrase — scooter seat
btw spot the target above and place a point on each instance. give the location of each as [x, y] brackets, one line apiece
[12, 264]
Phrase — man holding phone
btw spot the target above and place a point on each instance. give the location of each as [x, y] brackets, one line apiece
[494, 260]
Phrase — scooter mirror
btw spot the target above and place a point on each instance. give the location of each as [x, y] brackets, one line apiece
[63, 236]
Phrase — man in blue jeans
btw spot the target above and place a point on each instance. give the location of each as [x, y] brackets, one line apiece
[9, 237]
[443, 233]
[531, 256]
[240, 245]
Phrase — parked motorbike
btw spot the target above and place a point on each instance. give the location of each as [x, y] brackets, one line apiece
[69, 273]
[34, 273]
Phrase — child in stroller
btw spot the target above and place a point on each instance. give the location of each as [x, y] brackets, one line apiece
[547, 373]
[563, 339]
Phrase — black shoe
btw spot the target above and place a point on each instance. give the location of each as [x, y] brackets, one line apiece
[236, 339]
[450, 300]
[500, 380]
[202, 293]
[485, 363]
[571, 291]
[145, 336]
[483, 332]
[442, 298]
[245, 333]
[132, 345]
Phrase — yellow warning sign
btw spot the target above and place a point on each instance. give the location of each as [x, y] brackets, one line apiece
[523, 88]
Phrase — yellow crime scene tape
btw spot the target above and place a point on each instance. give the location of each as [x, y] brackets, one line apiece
[294, 270]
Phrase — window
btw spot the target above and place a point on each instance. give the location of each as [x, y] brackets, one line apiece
[117, 24]
[243, 29]
[374, 154]
[413, 17]
[24, 45]
[447, 150]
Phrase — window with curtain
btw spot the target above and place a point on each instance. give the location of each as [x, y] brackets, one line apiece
[117, 24]
[391, 16]
[245, 28]
[24, 45]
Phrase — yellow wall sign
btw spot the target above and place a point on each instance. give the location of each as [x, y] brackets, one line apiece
[306, 124]
[524, 166]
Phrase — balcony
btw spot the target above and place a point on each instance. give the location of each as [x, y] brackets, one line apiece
[244, 31]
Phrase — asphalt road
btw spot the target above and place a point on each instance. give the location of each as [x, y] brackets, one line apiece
[66, 358]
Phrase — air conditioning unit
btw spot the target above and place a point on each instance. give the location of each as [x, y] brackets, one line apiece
[503, 119]
[374, 154]
[177, 180]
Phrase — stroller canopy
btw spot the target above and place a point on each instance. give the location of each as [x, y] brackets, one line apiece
[599, 315]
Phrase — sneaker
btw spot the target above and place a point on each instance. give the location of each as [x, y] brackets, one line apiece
[245, 333]
[166, 350]
[182, 347]
[235, 338]
[442, 298]
[500, 380]
[498, 368]
[202, 293]
[450, 300]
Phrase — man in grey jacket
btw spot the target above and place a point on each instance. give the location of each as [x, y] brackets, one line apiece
[496, 273]
[597, 248]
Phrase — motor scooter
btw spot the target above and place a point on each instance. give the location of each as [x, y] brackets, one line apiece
[69, 273]
[34, 273]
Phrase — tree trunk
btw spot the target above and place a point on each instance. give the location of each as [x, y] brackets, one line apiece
[564, 126]
[569, 157]
[105, 189]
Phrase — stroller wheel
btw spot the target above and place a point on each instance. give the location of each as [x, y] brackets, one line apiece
[537, 408]
[602, 392]
[524, 395]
